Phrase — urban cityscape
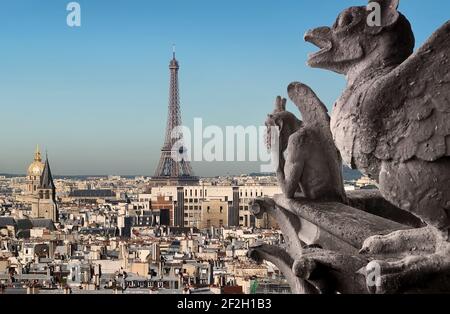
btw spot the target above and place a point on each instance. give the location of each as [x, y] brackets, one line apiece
[172, 233]
[204, 153]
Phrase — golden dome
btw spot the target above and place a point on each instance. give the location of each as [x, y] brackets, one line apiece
[37, 166]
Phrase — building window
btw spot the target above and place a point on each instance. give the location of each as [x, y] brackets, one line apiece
[207, 209]
[221, 209]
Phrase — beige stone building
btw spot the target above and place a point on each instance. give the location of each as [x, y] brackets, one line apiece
[188, 202]
[214, 214]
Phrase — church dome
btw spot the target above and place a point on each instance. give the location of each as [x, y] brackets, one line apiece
[37, 166]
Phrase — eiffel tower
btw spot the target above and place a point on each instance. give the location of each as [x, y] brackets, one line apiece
[170, 171]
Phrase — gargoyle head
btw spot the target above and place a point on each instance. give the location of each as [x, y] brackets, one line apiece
[286, 122]
[359, 37]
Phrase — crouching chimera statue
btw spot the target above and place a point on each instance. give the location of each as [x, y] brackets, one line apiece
[393, 124]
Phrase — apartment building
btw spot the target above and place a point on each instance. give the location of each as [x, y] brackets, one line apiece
[188, 203]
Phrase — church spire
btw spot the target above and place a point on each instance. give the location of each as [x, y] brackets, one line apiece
[46, 178]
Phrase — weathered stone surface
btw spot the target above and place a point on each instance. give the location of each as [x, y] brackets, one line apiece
[284, 262]
[289, 223]
[340, 231]
[337, 222]
[332, 272]
[372, 201]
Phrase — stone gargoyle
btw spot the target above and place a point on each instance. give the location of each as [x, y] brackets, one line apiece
[308, 161]
[309, 168]
[393, 124]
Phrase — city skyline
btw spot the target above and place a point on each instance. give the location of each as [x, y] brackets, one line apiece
[87, 95]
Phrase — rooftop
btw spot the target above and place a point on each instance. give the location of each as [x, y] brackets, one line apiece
[92, 193]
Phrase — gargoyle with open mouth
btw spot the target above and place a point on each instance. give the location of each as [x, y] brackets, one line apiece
[393, 124]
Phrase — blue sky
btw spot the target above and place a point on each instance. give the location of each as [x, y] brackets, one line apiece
[96, 97]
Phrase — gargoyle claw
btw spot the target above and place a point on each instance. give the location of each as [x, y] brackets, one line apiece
[401, 242]
[414, 273]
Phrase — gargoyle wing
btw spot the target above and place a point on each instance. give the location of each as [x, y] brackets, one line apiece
[313, 111]
[414, 104]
